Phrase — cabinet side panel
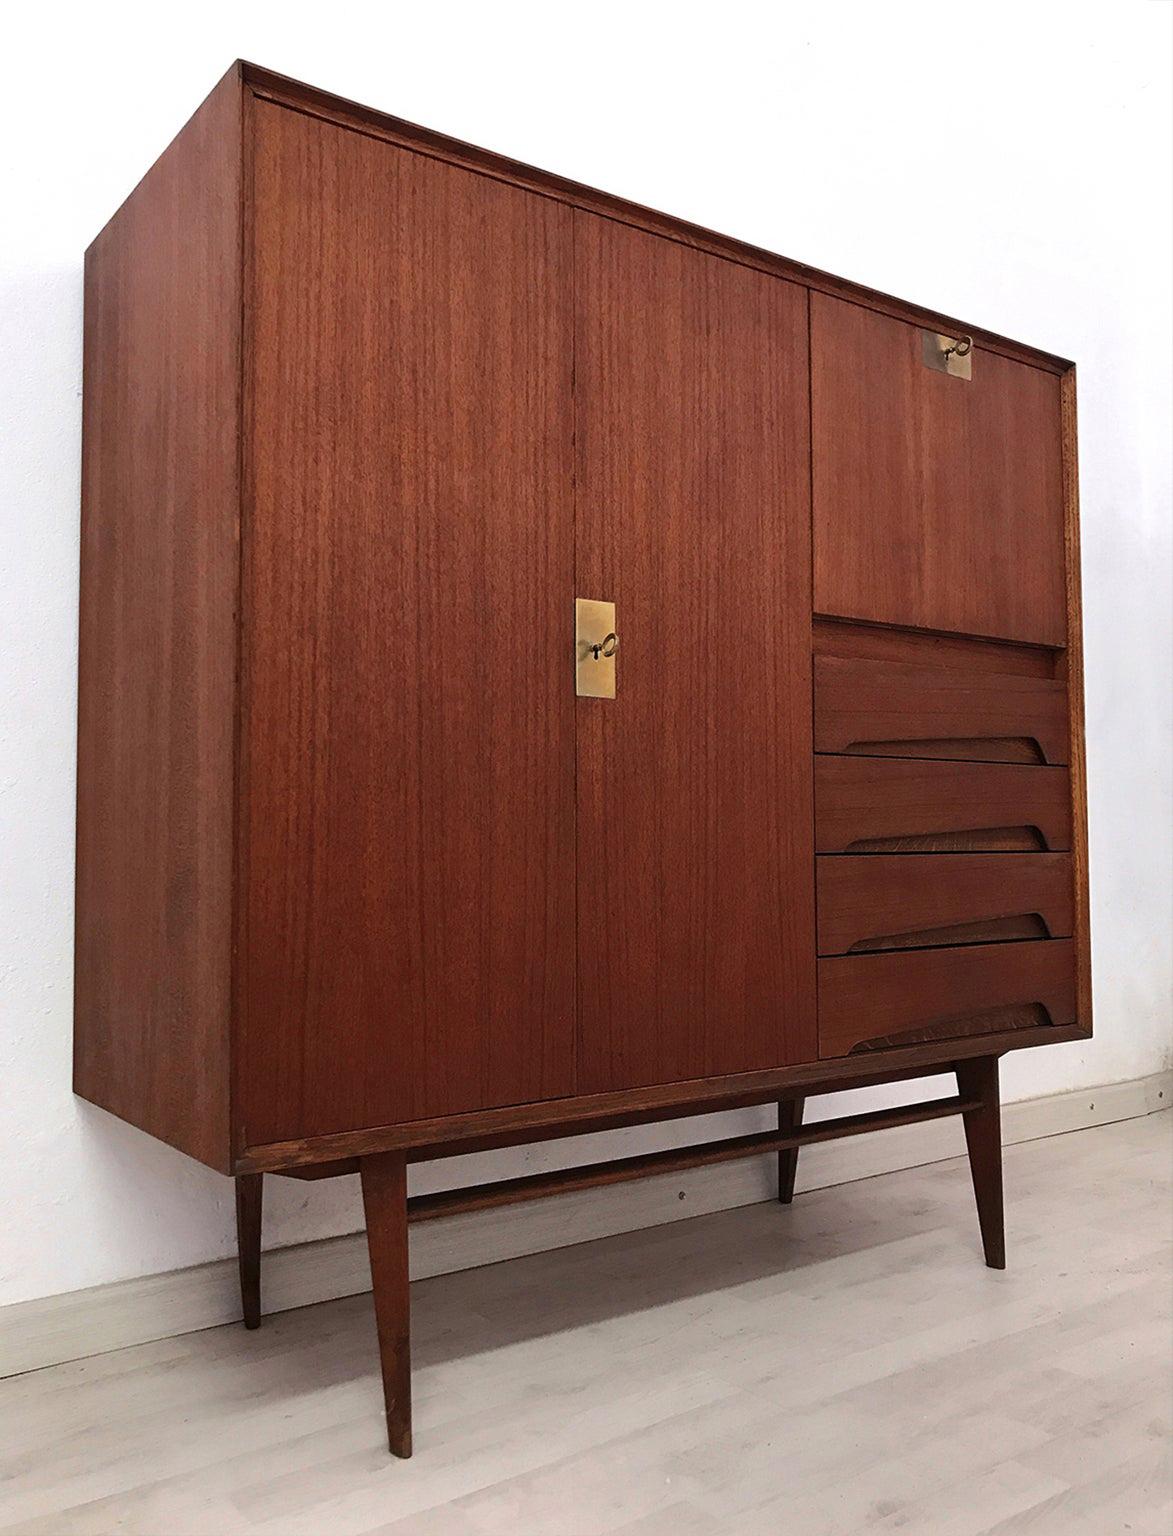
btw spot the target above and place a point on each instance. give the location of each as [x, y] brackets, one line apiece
[158, 643]
[1073, 666]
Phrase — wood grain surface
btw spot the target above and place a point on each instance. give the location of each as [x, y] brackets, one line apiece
[395, 951]
[268, 85]
[538, 1121]
[937, 502]
[940, 993]
[157, 643]
[696, 921]
[785, 1141]
[739, 1372]
[889, 901]
[895, 709]
[1073, 675]
[409, 707]
[924, 648]
[384, 1198]
[877, 805]
[978, 1079]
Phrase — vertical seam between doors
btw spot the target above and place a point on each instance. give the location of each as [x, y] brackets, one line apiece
[575, 1043]
[810, 481]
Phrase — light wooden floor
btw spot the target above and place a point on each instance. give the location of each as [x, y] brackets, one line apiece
[847, 1365]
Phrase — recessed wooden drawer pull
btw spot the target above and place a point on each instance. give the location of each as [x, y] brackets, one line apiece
[893, 709]
[879, 805]
[873, 902]
[874, 1001]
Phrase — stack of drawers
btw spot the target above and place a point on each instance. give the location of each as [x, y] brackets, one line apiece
[943, 837]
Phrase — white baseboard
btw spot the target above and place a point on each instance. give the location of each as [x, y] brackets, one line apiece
[45, 1332]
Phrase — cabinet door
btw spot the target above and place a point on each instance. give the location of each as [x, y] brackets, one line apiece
[938, 501]
[695, 857]
[408, 738]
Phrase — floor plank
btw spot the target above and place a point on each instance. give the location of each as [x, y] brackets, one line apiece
[843, 1365]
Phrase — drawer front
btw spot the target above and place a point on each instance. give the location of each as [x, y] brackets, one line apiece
[892, 709]
[884, 805]
[872, 1002]
[874, 902]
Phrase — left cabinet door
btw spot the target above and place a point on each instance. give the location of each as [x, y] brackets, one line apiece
[407, 736]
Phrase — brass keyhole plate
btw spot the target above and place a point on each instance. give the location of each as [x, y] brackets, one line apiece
[948, 354]
[594, 668]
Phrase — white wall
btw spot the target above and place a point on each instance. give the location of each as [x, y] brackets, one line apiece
[1007, 163]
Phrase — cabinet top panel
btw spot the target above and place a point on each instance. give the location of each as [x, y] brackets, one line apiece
[271, 86]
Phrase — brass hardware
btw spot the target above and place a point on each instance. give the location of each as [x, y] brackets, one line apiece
[595, 644]
[948, 354]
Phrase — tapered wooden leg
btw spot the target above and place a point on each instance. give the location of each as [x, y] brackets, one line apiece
[249, 1193]
[978, 1079]
[384, 1194]
[789, 1119]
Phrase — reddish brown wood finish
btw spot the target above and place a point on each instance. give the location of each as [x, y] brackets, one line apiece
[409, 731]
[978, 1079]
[1073, 672]
[789, 1120]
[892, 709]
[875, 804]
[384, 1195]
[943, 993]
[889, 901]
[557, 1181]
[694, 852]
[514, 1124]
[268, 85]
[157, 642]
[535, 1124]
[815, 1079]
[938, 502]
[136, 1068]
[249, 1205]
[327, 733]
[922, 648]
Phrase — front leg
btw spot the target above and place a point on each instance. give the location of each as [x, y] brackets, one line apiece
[978, 1080]
[789, 1119]
[384, 1193]
[249, 1192]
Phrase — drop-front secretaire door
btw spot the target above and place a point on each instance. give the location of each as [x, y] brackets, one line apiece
[695, 857]
[938, 500]
[409, 721]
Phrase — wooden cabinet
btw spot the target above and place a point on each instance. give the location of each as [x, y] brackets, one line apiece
[363, 877]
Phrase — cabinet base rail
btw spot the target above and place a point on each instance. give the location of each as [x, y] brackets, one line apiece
[560, 1181]
[390, 1210]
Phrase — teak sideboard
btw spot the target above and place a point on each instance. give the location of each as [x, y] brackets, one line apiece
[548, 667]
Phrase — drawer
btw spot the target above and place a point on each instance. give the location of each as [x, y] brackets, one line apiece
[871, 1002]
[876, 902]
[885, 805]
[894, 709]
